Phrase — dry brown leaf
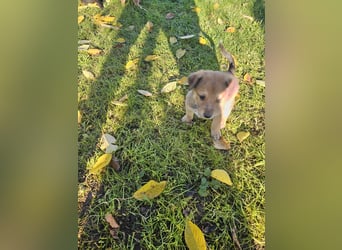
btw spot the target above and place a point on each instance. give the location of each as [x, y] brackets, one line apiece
[230, 29]
[112, 222]
[170, 15]
[94, 52]
[180, 53]
[144, 92]
[173, 40]
[80, 19]
[114, 163]
[149, 26]
[88, 74]
[183, 81]
[124, 98]
[171, 86]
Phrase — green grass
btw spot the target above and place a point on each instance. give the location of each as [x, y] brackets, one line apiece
[154, 144]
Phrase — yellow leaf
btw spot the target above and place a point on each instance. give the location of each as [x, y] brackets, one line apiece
[94, 52]
[183, 80]
[230, 29]
[98, 19]
[196, 9]
[194, 237]
[247, 77]
[242, 135]
[173, 40]
[149, 26]
[121, 40]
[131, 64]
[180, 53]
[202, 41]
[80, 19]
[102, 162]
[88, 74]
[150, 58]
[216, 6]
[79, 116]
[150, 190]
[220, 21]
[144, 92]
[221, 144]
[222, 176]
[171, 86]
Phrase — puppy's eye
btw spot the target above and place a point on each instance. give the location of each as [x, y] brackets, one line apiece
[202, 97]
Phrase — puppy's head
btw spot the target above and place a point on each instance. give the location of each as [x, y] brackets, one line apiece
[211, 91]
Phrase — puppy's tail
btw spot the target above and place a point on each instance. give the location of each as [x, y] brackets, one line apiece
[229, 57]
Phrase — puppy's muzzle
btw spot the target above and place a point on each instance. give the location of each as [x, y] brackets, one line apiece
[208, 114]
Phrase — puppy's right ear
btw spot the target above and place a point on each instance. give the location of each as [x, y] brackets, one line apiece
[194, 79]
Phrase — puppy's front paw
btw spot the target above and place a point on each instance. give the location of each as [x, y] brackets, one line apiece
[187, 120]
[216, 136]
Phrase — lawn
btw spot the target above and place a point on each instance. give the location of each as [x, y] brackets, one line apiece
[153, 143]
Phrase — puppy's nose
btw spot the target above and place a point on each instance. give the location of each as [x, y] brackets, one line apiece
[207, 114]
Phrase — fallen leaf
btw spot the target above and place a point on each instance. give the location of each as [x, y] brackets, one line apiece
[150, 190]
[112, 222]
[242, 135]
[202, 41]
[114, 163]
[83, 42]
[222, 176]
[260, 82]
[118, 103]
[230, 29]
[247, 77]
[171, 86]
[248, 17]
[150, 58]
[196, 9]
[80, 19]
[216, 6]
[170, 15]
[183, 80]
[180, 53]
[194, 237]
[114, 233]
[111, 148]
[120, 40]
[88, 74]
[106, 141]
[173, 40]
[124, 98]
[94, 52]
[79, 116]
[131, 64]
[221, 144]
[149, 26]
[109, 26]
[186, 37]
[98, 19]
[220, 21]
[144, 92]
[102, 162]
[84, 47]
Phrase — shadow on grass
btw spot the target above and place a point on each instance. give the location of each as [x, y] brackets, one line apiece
[112, 84]
[259, 11]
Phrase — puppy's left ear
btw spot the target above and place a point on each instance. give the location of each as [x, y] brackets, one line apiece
[194, 79]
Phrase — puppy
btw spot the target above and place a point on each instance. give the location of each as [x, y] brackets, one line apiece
[211, 96]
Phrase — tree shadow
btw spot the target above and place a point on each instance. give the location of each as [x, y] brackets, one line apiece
[111, 84]
[259, 11]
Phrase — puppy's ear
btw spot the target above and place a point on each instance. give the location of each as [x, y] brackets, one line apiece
[230, 80]
[194, 79]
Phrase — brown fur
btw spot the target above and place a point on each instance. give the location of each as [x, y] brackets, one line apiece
[211, 96]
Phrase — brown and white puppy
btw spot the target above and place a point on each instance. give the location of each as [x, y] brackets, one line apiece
[211, 96]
